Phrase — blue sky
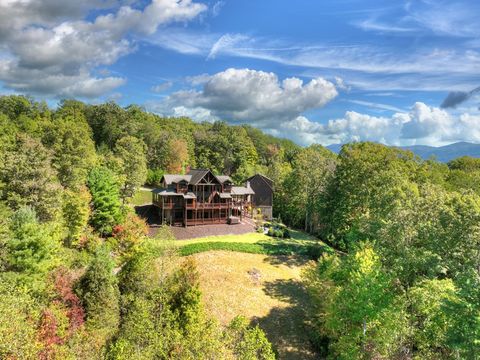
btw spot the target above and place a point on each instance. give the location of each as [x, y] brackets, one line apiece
[328, 71]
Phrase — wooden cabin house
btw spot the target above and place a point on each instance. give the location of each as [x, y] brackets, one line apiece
[200, 197]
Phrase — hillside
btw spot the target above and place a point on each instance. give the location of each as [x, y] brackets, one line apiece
[442, 153]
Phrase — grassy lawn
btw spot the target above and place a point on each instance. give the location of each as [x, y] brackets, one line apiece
[298, 237]
[265, 289]
[142, 197]
[255, 243]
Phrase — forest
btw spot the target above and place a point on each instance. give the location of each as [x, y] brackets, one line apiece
[81, 279]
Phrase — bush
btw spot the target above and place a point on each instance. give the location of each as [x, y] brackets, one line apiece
[247, 342]
[18, 318]
[127, 237]
[278, 233]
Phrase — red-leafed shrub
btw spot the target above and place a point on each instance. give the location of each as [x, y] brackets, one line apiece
[63, 282]
[127, 236]
[48, 335]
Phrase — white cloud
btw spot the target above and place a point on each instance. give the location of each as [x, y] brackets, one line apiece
[49, 47]
[162, 87]
[225, 42]
[278, 107]
[421, 125]
[240, 95]
[376, 105]
[217, 7]
[372, 67]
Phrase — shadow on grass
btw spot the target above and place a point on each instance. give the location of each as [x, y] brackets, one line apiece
[288, 328]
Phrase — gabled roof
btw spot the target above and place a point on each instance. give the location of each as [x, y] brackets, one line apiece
[198, 174]
[175, 178]
[267, 180]
[242, 190]
[223, 178]
[166, 192]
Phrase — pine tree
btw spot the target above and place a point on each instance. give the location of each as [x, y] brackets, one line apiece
[99, 293]
[107, 209]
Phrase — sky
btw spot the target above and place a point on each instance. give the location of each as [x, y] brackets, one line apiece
[331, 71]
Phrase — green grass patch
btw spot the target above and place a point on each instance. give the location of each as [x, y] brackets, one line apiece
[249, 238]
[297, 237]
[278, 247]
[142, 197]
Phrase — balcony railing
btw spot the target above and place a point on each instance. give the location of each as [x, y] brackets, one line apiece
[196, 206]
[201, 206]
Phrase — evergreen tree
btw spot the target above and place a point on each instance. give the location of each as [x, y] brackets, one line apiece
[106, 205]
[33, 246]
[98, 290]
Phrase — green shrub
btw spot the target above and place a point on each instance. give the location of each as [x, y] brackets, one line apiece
[278, 233]
[248, 342]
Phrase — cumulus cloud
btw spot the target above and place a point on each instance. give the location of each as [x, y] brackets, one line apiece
[280, 106]
[241, 95]
[49, 47]
[421, 125]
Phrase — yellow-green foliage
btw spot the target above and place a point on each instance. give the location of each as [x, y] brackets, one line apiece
[19, 315]
[358, 307]
[76, 212]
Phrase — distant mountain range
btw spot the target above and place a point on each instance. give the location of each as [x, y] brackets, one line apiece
[441, 153]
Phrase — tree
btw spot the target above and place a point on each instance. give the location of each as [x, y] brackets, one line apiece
[76, 212]
[246, 342]
[106, 205]
[430, 320]
[359, 309]
[370, 182]
[27, 179]
[73, 150]
[128, 236]
[98, 291]
[304, 189]
[33, 246]
[18, 317]
[163, 317]
[131, 152]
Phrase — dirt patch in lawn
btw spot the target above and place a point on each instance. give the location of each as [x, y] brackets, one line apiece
[265, 289]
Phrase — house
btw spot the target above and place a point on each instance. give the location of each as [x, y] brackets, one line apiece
[263, 194]
[201, 197]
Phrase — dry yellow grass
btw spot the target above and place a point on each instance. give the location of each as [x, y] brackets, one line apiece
[265, 289]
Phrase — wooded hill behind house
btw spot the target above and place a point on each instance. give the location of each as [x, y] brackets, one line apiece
[80, 278]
